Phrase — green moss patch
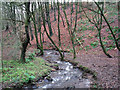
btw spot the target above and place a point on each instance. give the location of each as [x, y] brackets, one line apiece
[18, 73]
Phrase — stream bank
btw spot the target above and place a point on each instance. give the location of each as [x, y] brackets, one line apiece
[65, 77]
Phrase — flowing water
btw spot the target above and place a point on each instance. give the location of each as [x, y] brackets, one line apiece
[65, 77]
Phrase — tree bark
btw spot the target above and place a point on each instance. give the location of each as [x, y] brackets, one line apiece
[58, 24]
[48, 18]
[27, 40]
[39, 27]
[34, 22]
[54, 11]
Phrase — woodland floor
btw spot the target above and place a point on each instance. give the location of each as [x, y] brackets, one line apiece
[93, 58]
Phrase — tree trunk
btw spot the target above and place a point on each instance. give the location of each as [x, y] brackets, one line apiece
[36, 33]
[72, 10]
[75, 16]
[48, 18]
[115, 40]
[70, 33]
[103, 48]
[27, 40]
[54, 11]
[14, 18]
[31, 33]
[58, 24]
[43, 17]
[39, 27]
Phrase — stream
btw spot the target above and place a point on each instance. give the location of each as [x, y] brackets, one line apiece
[65, 77]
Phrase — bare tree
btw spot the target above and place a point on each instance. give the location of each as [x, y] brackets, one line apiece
[116, 42]
[97, 21]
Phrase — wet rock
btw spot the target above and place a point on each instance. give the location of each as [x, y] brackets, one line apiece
[53, 70]
[49, 78]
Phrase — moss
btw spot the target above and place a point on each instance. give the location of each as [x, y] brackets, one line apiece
[18, 73]
[96, 86]
[74, 63]
[56, 65]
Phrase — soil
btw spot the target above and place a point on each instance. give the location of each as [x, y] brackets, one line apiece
[94, 58]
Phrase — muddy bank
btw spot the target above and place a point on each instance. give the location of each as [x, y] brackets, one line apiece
[106, 68]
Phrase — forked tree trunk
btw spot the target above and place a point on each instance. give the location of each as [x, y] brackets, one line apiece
[115, 40]
[98, 25]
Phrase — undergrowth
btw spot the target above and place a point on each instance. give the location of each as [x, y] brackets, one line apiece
[14, 72]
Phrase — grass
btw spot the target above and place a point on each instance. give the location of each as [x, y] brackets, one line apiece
[18, 73]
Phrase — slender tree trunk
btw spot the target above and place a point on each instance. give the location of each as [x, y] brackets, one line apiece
[58, 24]
[72, 10]
[70, 33]
[98, 25]
[99, 33]
[68, 4]
[39, 27]
[62, 20]
[31, 33]
[80, 6]
[64, 5]
[71, 14]
[75, 17]
[25, 43]
[54, 11]
[34, 22]
[51, 7]
[43, 17]
[103, 48]
[14, 17]
[48, 18]
[108, 26]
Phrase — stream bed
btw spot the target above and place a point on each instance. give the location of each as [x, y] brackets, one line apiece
[65, 77]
